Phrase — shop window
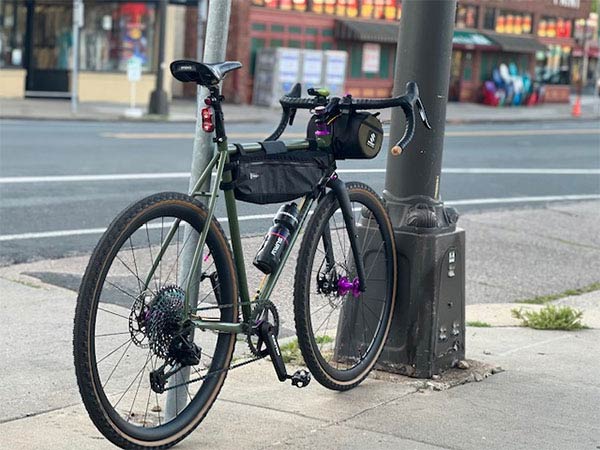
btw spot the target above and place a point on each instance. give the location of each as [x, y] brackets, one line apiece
[356, 61]
[255, 46]
[300, 5]
[259, 27]
[553, 66]
[489, 19]
[466, 16]
[468, 67]
[554, 27]
[12, 33]
[384, 62]
[114, 33]
[512, 22]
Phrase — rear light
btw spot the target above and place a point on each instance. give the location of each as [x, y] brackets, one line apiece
[207, 120]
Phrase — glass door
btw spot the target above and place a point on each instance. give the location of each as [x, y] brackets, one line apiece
[49, 48]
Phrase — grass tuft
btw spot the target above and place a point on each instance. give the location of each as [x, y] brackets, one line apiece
[290, 351]
[479, 324]
[543, 299]
[551, 317]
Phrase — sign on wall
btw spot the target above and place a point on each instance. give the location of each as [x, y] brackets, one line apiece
[370, 58]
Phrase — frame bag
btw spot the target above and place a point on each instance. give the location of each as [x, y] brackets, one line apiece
[276, 175]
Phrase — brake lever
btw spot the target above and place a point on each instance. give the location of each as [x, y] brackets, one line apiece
[422, 113]
[292, 116]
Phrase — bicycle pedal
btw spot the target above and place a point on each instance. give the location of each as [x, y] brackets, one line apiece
[301, 378]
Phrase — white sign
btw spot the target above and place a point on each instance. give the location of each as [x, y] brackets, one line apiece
[78, 13]
[312, 68]
[370, 58]
[574, 4]
[289, 66]
[134, 69]
[335, 71]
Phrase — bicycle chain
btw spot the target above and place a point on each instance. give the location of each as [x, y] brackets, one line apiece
[216, 372]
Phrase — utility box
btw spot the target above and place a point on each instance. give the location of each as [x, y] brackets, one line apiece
[427, 334]
[277, 70]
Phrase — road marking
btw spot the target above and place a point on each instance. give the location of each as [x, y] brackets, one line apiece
[173, 175]
[541, 198]
[471, 133]
[473, 201]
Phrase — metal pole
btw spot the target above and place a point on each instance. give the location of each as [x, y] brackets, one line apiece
[77, 22]
[159, 103]
[215, 49]
[427, 334]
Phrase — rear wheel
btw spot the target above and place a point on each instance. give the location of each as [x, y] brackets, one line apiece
[342, 331]
[128, 338]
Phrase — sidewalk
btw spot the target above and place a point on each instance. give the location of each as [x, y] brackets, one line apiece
[545, 396]
[185, 111]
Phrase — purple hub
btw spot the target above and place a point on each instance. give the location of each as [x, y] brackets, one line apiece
[345, 286]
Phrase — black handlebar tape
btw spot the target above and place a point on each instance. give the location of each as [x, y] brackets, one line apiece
[285, 116]
[409, 129]
[298, 103]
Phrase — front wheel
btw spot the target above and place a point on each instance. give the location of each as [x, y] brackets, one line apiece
[132, 341]
[342, 331]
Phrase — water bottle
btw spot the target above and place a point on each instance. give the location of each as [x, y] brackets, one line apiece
[277, 239]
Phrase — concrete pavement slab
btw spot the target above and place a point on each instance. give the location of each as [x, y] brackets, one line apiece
[508, 411]
[36, 351]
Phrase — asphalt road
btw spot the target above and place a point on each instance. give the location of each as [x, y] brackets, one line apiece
[61, 183]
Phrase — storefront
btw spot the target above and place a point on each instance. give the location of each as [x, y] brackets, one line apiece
[37, 50]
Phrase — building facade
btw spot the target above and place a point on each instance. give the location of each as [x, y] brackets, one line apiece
[538, 37]
[36, 48]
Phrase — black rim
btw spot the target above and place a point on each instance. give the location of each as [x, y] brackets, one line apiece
[151, 228]
[344, 353]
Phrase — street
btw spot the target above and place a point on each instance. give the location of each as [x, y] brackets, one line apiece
[61, 183]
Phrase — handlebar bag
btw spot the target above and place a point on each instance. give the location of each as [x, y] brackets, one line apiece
[355, 135]
[276, 175]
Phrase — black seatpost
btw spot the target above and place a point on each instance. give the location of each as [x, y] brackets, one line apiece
[215, 101]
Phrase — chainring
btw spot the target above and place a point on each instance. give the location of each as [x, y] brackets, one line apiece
[263, 310]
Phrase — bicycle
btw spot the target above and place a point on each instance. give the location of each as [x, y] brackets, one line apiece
[145, 328]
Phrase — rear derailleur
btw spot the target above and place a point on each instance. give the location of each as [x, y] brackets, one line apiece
[182, 353]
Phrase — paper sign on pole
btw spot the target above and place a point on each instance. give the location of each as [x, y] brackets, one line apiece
[134, 69]
[370, 59]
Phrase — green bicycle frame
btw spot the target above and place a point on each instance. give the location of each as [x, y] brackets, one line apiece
[219, 160]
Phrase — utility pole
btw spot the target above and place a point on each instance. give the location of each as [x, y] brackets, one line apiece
[159, 103]
[215, 49]
[428, 330]
[77, 24]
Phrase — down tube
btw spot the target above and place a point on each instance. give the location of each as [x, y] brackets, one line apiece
[274, 277]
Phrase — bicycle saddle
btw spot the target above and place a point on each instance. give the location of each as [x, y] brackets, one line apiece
[202, 73]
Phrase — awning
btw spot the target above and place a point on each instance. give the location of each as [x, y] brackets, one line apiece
[516, 44]
[472, 39]
[356, 30]
[387, 33]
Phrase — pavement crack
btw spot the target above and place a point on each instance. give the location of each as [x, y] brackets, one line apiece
[269, 408]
